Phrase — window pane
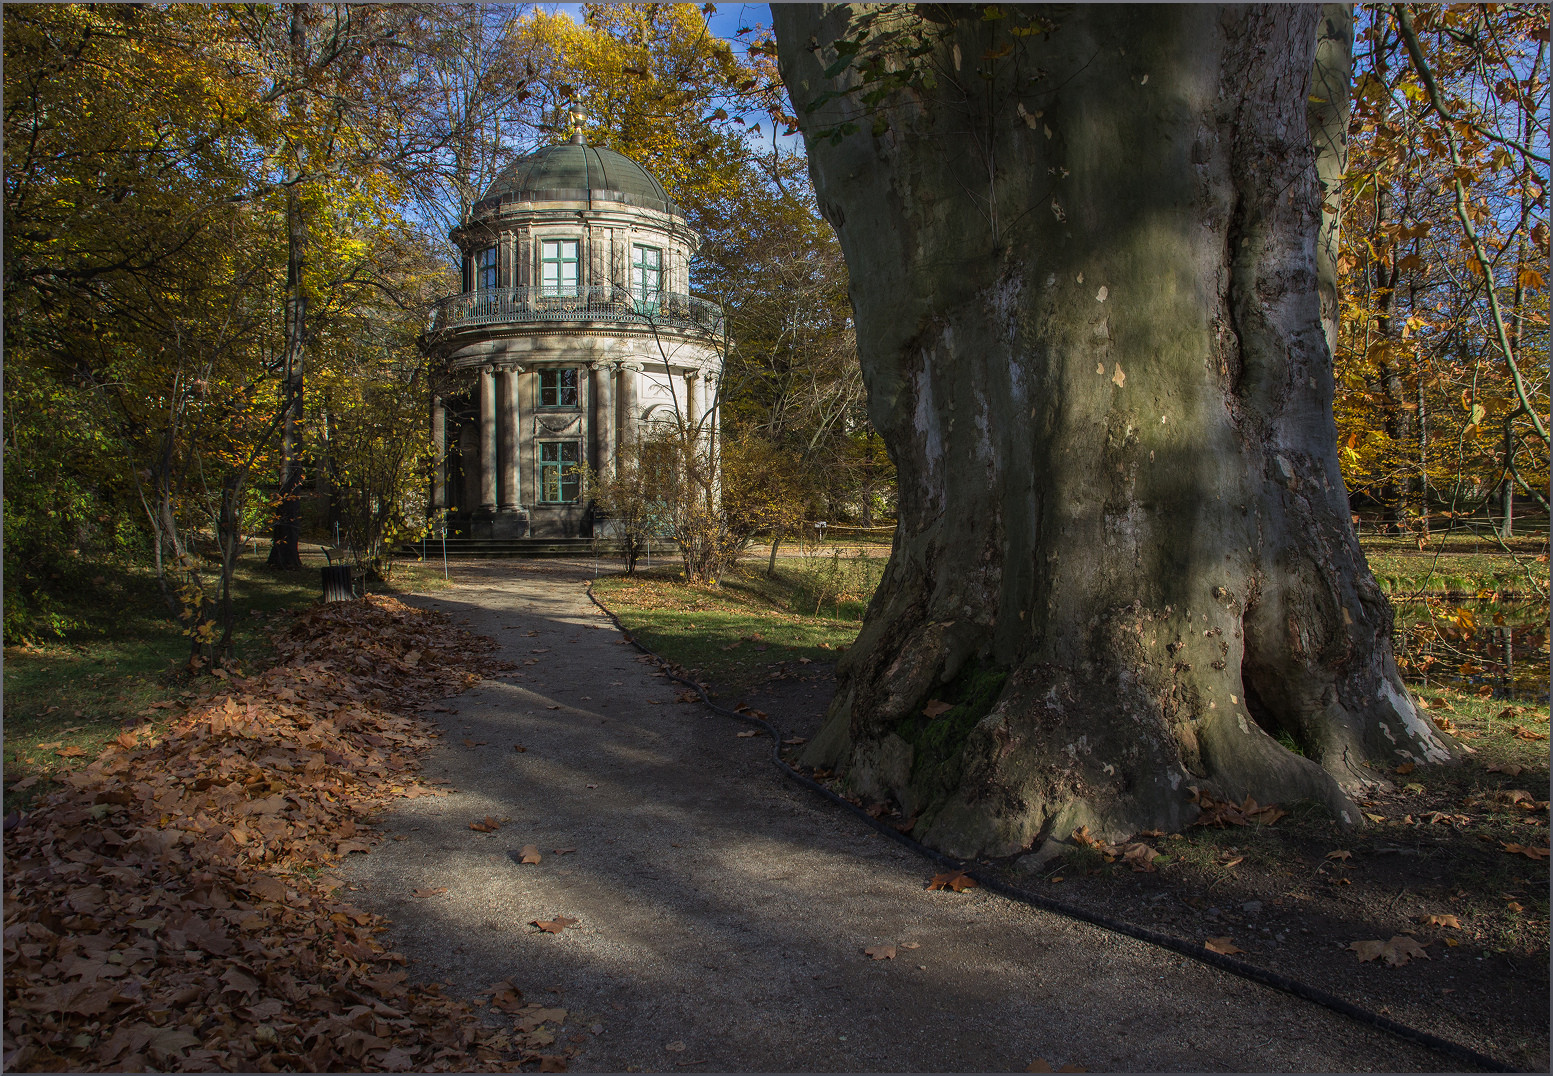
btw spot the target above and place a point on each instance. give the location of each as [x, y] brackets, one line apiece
[646, 272]
[558, 388]
[558, 266]
[558, 477]
[486, 263]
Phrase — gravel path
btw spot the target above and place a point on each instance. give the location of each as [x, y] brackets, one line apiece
[723, 911]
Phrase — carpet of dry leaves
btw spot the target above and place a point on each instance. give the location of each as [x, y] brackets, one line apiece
[170, 908]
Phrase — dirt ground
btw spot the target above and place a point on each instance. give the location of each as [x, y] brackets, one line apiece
[722, 914]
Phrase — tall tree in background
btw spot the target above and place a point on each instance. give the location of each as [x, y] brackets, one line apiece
[658, 87]
[1443, 353]
[136, 290]
[1082, 254]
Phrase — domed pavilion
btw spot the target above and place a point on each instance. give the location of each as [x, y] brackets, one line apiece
[574, 331]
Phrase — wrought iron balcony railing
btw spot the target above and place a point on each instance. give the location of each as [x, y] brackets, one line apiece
[517, 306]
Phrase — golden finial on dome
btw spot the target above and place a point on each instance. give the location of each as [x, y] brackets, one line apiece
[578, 118]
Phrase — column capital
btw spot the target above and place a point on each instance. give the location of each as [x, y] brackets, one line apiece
[509, 367]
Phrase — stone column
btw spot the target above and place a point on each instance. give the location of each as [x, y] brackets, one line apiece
[630, 409]
[511, 481]
[487, 439]
[439, 442]
[693, 403]
[469, 458]
[601, 419]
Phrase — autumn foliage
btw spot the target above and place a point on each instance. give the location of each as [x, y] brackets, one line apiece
[170, 907]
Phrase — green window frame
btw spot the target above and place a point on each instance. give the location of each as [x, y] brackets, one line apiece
[558, 267]
[646, 273]
[559, 480]
[558, 388]
[486, 268]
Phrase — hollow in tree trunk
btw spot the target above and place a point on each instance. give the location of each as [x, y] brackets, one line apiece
[1083, 266]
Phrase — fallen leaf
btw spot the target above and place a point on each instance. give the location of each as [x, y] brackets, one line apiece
[958, 881]
[794, 741]
[1140, 857]
[506, 998]
[1233, 862]
[519, 747]
[747, 734]
[486, 825]
[880, 952]
[1433, 920]
[1396, 952]
[530, 854]
[911, 945]
[1224, 946]
[1514, 906]
[1374, 817]
[552, 1063]
[1405, 768]
[70, 751]
[556, 925]
[560, 851]
[438, 891]
[935, 708]
[1342, 855]
[1508, 768]
[1524, 850]
[675, 1047]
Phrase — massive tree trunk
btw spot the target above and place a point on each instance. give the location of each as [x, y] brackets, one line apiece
[1083, 269]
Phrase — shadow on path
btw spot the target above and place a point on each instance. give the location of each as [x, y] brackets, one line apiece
[725, 909]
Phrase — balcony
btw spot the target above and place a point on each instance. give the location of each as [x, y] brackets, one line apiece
[498, 307]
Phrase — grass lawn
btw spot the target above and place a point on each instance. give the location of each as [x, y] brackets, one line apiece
[728, 634]
[122, 663]
[1458, 564]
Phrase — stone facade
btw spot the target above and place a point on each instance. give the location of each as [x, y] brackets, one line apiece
[574, 331]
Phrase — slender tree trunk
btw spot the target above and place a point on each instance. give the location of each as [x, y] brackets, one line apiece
[286, 538]
[1507, 491]
[285, 541]
[1125, 557]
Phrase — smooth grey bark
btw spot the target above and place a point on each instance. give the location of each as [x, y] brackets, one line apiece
[1327, 110]
[1084, 276]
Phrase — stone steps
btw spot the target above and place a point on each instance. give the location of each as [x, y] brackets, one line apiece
[514, 547]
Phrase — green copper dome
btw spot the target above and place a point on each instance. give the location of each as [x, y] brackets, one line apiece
[576, 172]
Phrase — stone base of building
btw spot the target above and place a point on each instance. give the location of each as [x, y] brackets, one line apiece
[508, 523]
